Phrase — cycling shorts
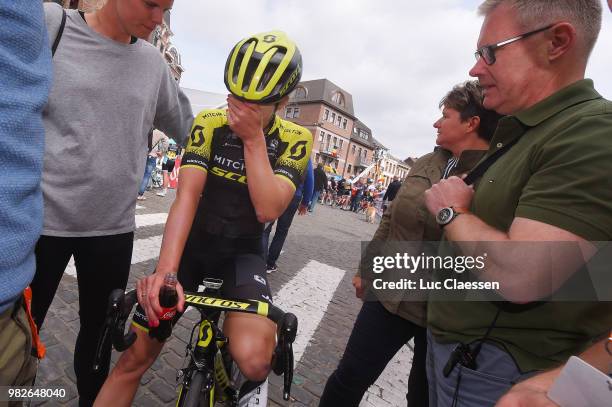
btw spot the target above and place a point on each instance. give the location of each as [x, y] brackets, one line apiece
[168, 166]
[237, 261]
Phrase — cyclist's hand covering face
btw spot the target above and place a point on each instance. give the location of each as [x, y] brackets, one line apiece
[148, 296]
[246, 120]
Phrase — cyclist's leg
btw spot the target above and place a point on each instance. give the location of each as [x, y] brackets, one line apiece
[122, 383]
[102, 264]
[252, 338]
[376, 337]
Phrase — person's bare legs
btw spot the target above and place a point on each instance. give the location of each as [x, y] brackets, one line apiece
[122, 383]
[251, 343]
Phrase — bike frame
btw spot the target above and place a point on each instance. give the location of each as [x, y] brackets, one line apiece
[210, 337]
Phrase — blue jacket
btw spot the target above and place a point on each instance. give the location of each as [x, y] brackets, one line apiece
[306, 188]
[25, 75]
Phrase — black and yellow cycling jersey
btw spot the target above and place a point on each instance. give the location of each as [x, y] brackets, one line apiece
[226, 208]
[172, 152]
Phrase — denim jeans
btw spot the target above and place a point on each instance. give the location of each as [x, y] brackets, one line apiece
[496, 373]
[147, 174]
[315, 198]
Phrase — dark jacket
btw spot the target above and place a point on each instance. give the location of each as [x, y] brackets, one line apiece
[320, 179]
[392, 190]
[408, 220]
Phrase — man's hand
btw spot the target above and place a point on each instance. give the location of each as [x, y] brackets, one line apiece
[359, 287]
[525, 396]
[148, 296]
[448, 192]
[245, 119]
[302, 209]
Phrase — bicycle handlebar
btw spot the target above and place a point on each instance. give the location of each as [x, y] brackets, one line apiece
[120, 306]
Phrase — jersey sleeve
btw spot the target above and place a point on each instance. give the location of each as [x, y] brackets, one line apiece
[199, 145]
[293, 162]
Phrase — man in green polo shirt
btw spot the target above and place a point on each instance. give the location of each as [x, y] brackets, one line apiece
[552, 185]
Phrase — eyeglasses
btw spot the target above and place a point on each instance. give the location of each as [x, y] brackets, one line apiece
[487, 53]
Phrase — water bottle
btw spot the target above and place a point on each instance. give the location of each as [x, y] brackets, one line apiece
[168, 298]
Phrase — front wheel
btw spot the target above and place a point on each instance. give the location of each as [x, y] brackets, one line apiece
[195, 396]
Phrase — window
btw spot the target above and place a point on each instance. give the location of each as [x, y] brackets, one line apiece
[338, 119]
[300, 92]
[353, 150]
[344, 122]
[321, 135]
[326, 114]
[333, 117]
[349, 168]
[338, 98]
[288, 112]
[359, 152]
[296, 112]
[335, 141]
[340, 144]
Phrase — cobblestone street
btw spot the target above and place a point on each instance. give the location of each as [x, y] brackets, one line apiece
[313, 281]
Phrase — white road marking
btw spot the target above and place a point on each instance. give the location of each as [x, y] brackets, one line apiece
[391, 386]
[307, 295]
[151, 219]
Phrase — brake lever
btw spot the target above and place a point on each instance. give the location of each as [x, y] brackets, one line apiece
[287, 333]
[113, 308]
[122, 341]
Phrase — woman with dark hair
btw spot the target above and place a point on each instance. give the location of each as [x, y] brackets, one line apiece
[391, 318]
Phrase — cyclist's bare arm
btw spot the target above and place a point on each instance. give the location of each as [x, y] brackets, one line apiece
[269, 193]
[178, 225]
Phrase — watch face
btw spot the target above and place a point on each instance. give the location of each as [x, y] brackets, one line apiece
[444, 216]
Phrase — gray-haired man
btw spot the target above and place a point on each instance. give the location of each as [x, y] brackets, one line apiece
[548, 187]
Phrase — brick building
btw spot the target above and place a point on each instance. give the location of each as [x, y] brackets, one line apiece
[361, 151]
[327, 111]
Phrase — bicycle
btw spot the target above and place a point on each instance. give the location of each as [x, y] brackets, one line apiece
[157, 180]
[207, 369]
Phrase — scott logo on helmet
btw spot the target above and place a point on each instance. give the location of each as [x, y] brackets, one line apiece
[294, 76]
[269, 38]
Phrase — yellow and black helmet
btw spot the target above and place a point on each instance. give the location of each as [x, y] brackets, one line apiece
[263, 68]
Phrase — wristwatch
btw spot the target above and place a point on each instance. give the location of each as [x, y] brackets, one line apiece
[447, 215]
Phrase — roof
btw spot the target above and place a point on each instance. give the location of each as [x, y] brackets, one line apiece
[201, 99]
[359, 125]
[379, 144]
[323, 91]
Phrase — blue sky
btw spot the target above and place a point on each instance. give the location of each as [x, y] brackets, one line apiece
[397, 58]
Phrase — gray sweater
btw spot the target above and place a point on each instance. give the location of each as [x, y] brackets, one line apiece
[105, 98]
